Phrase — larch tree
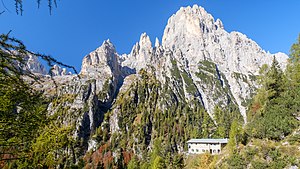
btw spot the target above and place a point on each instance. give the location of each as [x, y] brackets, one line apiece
[22, 108]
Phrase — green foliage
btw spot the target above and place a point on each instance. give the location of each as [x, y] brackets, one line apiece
[235, 136]
[252, 77]
[207, 71]
[216, 84]
[235, 161]
[22, 112]
[274, 80]
[201, 161]
[261, 154]
[224, 118]
[176, 74]
[206, 126]
[107, 90]
[276, 123]
[271, 116]
[293, 139]
[240, 76]
[145, 165]
[178, 162]
[156, 152]
[292, 85]
[295, 52]
[49, 148]
[22, 108]
[272, 112]
[259, 164]
[133, 163]
[143, 123]
[158, 163]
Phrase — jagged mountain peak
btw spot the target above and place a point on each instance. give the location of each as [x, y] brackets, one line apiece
[157, 44]
[195, 10]
[107, 46]
[200, 37]
[219, 24]
[104, 56]
[141, 54]
[58, 71]
[189, 21]
[34, 65]
[145, 41]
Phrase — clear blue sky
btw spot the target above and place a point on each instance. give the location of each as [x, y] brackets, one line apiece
[78, 27]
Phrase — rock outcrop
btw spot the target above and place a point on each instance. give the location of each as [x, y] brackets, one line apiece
[58, 71]
[33, 65]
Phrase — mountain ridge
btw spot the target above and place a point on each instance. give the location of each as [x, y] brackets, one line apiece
[143, 53]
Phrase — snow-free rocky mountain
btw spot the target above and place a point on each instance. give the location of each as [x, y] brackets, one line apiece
[197, 61]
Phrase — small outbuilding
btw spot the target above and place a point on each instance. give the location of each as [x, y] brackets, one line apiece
[200, 146]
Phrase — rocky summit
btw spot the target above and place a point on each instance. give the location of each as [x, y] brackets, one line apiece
[197, 66]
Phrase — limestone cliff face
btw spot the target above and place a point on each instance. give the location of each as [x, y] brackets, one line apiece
[102, 65]
[197, 61]
[199, 37]
[192, 38]
[84, 99]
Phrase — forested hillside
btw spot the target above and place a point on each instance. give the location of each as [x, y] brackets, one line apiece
[271, 138]
[138, 110]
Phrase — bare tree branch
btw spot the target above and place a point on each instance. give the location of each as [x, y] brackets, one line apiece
[4, 7]
[2, 12]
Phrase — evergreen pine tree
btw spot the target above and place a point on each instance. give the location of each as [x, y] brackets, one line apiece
[235, 136]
